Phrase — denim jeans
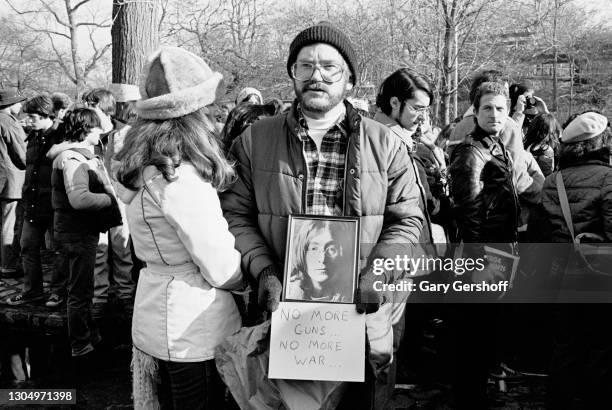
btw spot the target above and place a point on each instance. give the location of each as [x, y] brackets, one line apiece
[190, 386]
[114, 260]
[79, 251]
[32, 239]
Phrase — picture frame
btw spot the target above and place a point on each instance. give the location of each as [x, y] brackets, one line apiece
[321, 259]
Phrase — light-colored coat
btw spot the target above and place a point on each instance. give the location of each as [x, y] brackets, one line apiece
[182, 308]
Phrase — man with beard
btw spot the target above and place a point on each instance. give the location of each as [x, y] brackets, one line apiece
[323, 158]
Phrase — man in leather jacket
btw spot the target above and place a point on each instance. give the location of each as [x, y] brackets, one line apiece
[486, 210]
[485, 200]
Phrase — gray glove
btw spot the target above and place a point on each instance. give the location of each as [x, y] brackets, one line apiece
[269, 288]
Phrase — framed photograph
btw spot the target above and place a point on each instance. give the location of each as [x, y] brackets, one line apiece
[322, 259]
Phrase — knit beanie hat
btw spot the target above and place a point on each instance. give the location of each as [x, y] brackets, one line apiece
[175, 82]
[584, 127]
[324, 32]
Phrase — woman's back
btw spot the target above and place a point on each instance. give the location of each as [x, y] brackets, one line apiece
[589, 193]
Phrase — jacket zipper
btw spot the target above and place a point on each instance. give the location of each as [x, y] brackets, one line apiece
[344, 195]
[305, 180]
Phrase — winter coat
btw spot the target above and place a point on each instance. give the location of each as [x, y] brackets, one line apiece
[182, 309]
[380, 187]
[512, 138]
[12, 157]
[426, 202]
[80, 189]
[545, 157]
[485, 205]
[37, 185]
[589, 193]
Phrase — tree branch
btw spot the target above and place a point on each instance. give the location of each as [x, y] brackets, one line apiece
[72, 10]
[54, 13]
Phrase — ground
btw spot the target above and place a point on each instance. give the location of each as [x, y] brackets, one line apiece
[110, 387]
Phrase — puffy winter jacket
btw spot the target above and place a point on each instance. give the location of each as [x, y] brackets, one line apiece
[380, 187]
[182, 309]
[589, 193]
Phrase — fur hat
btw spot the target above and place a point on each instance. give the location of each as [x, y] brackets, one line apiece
[324, 32]
[175, 82]
[245, 92]
[584, 127]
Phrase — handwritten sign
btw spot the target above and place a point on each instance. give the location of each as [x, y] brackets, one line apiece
[317, 341]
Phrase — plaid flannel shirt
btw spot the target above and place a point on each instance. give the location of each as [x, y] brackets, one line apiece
[325, 178]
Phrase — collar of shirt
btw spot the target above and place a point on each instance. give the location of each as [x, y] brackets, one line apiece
[340, 123]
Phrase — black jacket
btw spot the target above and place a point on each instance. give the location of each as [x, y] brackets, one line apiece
[485, 205]
[37, 185]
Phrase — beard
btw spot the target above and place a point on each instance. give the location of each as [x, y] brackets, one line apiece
[318, 97]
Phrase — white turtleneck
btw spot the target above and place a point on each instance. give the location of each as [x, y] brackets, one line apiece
[317, 128]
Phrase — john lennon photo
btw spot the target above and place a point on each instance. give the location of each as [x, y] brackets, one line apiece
[321, 259]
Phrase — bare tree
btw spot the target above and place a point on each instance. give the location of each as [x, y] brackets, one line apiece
[61, 22]
[134, 36]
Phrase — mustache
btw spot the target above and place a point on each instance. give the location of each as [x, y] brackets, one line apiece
[314, 86]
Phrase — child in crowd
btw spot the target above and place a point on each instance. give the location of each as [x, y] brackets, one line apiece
[81, 192]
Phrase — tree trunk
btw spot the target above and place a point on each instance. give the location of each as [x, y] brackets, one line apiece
[135, 34]
[455, 82]
[79, 80]
[447, 64]
[556, 57]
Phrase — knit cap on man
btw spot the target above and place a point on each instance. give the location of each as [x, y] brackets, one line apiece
[174, 83]
[324, 32]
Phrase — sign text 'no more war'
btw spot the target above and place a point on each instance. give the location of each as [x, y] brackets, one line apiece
[317, 341]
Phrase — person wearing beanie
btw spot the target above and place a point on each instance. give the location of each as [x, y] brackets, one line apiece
[249, 95]
[170, 170]
[324, 158]
[585, 172]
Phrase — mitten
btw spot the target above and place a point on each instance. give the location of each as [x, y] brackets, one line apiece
[269, 288]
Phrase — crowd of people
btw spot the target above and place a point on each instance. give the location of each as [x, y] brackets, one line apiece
[190, 200]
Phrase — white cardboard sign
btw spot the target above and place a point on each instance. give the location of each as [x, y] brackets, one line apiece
[317, 341]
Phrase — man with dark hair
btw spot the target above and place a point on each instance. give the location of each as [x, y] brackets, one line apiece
[12, 164]
[486, 208]
[38, 213]
[61, 103]
[528, 182]
[324, 158]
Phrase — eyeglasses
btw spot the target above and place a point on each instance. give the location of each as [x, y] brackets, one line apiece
[330, 73]
[331, 250]
[419, 110]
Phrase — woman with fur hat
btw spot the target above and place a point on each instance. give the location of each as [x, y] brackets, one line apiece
[582, 348]
[172, 168]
